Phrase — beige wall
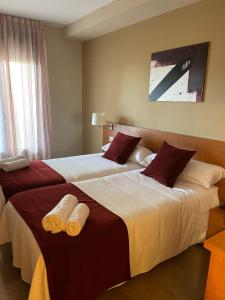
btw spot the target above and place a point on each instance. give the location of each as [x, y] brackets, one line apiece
[116, 74]
[64, 66]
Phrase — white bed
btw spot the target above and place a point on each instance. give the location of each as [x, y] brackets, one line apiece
[161, 223]
[82, 167]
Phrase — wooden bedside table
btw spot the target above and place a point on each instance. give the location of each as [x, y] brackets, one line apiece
[216, 221]
[215, 288]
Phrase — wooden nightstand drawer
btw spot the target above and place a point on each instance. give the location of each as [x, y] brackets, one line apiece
[216, 221]
[215, 288]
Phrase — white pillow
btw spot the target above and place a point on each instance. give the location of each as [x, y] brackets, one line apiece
[137, 155]
[148, 159]
[196, 172]
[105, 147]
[202, 173]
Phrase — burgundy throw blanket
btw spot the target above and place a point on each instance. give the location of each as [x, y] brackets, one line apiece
[81, 267]
[38, 174]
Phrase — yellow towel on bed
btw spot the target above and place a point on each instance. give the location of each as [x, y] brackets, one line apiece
[10, 159]
[56, 219]
[15, 165]
[77, 219]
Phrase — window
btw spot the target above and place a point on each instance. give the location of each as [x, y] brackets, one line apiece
[24, 99]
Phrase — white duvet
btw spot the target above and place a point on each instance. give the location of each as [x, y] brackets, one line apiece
[82, 167]
[161, 221]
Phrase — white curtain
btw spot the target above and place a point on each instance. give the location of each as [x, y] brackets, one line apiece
[25, 122]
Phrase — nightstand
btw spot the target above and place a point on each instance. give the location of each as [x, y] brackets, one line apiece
[216, 221]
[215, 289]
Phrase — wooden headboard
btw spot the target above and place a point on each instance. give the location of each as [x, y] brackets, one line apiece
[208, 150]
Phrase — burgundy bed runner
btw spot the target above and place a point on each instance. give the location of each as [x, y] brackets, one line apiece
[81, 267]
[38, 174]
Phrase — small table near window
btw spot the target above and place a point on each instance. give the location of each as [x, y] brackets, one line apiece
[215, 289]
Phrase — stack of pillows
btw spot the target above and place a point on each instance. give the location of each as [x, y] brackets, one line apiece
[125, 147]
[166, 166]
[13, 163]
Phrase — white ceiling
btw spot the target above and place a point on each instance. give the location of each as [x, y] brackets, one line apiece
[61, 12]
[119, 14]
[87, 19]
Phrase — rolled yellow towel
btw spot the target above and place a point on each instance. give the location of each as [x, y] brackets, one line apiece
[10, 159]
[77, 219]
[56, 219]
[15, 165]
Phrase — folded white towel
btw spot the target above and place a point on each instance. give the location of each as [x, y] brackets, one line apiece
[14, 158]
[55, 220]
[77, 219]
[15, 165]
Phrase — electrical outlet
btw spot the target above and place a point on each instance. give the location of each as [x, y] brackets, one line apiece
[110, 138]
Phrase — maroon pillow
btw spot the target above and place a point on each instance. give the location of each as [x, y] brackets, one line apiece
[121, 148]
[168, 164]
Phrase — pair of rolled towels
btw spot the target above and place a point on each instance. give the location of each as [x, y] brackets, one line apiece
[68, 215]
[13, 163]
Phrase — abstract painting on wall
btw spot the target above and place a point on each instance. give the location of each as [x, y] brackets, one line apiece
[178, 74]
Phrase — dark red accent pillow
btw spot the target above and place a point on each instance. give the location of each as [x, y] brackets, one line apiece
[168, 164]
[121, 148]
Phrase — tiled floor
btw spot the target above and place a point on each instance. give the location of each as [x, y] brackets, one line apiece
[180, 278]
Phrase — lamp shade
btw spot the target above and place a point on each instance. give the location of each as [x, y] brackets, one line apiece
[98, 119]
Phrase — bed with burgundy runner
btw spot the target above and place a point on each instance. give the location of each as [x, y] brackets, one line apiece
[38, 174]
[81, 267]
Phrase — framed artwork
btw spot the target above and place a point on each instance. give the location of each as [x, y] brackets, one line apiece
[178, 74]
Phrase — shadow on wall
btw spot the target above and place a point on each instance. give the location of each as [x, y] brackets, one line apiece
[125, 121]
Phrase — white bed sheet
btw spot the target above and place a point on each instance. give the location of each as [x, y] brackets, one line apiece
[82, 167]
[161, 221]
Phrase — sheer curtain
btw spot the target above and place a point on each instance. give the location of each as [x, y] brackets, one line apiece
[25, 122]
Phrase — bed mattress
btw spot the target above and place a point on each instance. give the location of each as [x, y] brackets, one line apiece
[161, 222]
[82, 167]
